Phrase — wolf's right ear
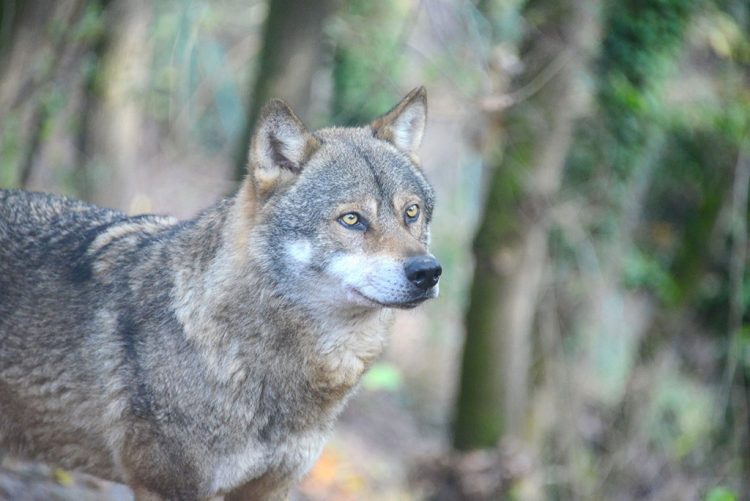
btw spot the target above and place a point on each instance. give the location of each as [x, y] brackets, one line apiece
[279, 148]
[403, 126]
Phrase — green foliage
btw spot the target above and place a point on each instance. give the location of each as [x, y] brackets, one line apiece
[728, 117]
[643, 36]
[721, 494]
[680, 415]
[90, 27]
[677, 151]
[683, 204]
[368, 58]
[742, 349]
[641, 270]
[641, 42]
[382, 376]
[726, 33]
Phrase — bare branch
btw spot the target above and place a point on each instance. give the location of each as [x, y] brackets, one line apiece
[738, 259]
[502, 101]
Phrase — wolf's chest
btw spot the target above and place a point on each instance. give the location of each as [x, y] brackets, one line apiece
[289, 459]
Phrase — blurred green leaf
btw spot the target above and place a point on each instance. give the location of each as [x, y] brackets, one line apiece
[641, 270]
[721, 494]
[680, 415]
[382, 376]
[91, 26]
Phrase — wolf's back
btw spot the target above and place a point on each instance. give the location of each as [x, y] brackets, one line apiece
[42, 239]
[45, 233]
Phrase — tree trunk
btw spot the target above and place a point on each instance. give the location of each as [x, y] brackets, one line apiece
[31, 55]
[510, 248]
[90, 103]
[114, 115]
[289, 56]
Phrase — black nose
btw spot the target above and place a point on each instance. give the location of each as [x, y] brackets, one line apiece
[423, 271]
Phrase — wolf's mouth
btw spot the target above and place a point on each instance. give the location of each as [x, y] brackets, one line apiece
[404, 305]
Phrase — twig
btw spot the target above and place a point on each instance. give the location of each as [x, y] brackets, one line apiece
[737, 259]
[41, 114]
[503, 101]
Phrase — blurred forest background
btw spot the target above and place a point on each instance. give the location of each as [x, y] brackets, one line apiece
[592, 163]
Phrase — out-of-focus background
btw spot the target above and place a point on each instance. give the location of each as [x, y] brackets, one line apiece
[592, 164]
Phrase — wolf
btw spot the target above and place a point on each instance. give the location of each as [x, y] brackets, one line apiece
[210, 357]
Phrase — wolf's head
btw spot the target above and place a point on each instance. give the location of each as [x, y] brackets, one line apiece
[344, 213]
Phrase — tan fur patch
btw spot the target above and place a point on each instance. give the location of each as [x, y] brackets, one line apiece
[119, 231]
[247, 216]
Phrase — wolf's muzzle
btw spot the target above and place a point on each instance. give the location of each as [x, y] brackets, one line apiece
[423, 271]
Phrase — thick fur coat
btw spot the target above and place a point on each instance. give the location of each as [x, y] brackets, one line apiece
[210, 357]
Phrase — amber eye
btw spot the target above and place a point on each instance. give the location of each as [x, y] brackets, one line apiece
[412, 213]
[351, 219]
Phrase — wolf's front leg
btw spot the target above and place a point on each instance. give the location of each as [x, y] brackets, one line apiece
[260, 491]
[143, 494]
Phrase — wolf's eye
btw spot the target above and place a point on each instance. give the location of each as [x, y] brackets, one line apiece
[412, 213]
[353, 221]
[350, 219]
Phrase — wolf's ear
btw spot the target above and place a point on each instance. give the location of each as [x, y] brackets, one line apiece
[403, 126]
[280, 147]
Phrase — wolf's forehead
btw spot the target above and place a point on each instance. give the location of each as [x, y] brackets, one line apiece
[361, 165]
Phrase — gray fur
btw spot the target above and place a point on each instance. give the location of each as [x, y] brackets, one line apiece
[206, 357]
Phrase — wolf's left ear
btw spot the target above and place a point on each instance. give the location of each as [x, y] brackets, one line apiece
[280, 147]
[403, 125]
